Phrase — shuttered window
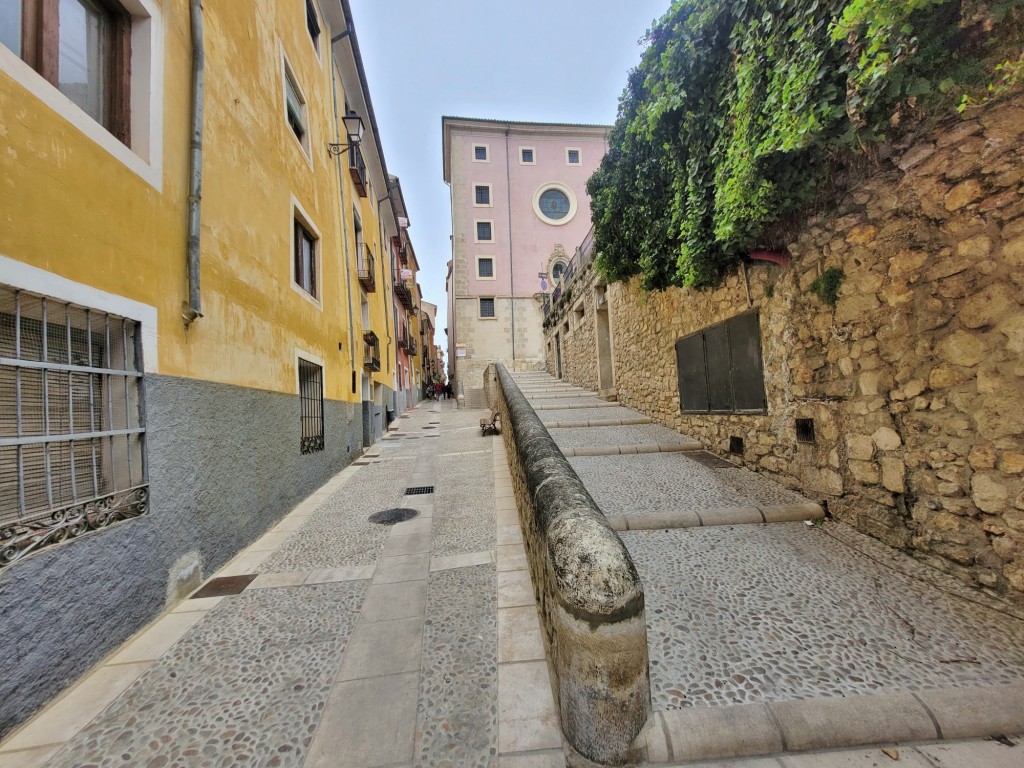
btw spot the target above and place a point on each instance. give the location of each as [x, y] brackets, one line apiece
[719, 369]
[72, 434]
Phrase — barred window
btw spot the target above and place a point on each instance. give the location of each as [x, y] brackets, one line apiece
[72, 428]
[487, 307]
[311, 399]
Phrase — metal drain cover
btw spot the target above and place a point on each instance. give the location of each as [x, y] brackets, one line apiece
[428, 427]
[418, 489]
[709, 460]
[392, 516]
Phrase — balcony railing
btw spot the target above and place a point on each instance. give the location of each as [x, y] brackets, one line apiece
[581, 258]
[412, 345]
[357, 168]
[371, 351]
[403, 290]
[364, 267]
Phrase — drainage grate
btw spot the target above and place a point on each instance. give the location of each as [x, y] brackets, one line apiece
[708, 459]
[419, 489]
[224, 585]
[392, 516]
[428, 427]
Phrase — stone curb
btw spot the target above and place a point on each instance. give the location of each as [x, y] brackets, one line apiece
[567, 395]
[598, 423]
[705, 518]
[746, 730]
[599, 404]
[617, 450]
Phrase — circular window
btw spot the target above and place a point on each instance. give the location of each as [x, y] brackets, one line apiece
[554, 203]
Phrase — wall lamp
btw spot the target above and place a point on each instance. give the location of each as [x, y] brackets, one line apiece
[354, 129]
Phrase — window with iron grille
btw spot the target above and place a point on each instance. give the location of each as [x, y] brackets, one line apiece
[480, 152]
[72, 427]
[484, 233]
[483, 194]
[485, 267]
[487, 307]
[311, 399]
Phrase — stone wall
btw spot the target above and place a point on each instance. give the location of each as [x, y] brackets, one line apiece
[588, 591]
[914, 380]
[574, 323]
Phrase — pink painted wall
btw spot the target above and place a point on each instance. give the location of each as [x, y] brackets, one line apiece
[533, 239]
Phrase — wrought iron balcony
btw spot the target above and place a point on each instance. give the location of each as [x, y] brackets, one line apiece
[403, 290]
[365, 270]
[357, 169]
[371, 351]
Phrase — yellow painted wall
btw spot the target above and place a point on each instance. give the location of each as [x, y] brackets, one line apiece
[68, 207]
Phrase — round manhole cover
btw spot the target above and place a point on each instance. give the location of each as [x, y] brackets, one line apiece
[392, 516]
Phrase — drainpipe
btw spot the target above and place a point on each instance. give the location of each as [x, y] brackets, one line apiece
[193, 311]
[344, 213]
[511, 267]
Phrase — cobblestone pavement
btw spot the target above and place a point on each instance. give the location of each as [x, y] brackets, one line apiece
[354, 644]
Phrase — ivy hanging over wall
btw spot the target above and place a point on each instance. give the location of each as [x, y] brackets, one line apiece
[741, 110]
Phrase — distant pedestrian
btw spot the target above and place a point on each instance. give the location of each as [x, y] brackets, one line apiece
[438, 389]
[448, 390]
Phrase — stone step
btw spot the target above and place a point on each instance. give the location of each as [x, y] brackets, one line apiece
[574, 406]
[685, 518]
[627, 422]
[622, 450]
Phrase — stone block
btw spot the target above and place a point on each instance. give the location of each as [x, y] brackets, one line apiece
[886, 439]
[977, 247]
[962, 194]
[1013, 252]
[893, 474]
[962, 348]
[865, 472]
[860, 447]
[988, 492]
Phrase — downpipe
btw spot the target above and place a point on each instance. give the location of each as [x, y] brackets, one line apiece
[193, 310]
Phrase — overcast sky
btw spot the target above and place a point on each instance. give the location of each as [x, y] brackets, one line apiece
[560, 61]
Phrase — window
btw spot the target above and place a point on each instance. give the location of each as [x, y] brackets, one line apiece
[719, 368]
[572, 157]
[487, 307]
[554, 203]
[557, 271]
[313, 25]
[72, 440]
[295, 108]
[482, 194]
[305, 260]
[485, 267]
[484, 232]
[83, 47]
[480, 153]
[311, 405]
[526, 155]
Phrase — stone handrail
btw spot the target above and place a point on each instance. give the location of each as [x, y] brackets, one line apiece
[588, 590]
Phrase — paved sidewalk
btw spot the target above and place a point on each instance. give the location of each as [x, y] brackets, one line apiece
[346, 643]
[782, 636]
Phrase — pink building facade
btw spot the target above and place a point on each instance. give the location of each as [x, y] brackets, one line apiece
[519, 209]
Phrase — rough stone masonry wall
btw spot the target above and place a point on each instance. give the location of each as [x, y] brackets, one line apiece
[588, 590]
[575, 322]
[915, 380]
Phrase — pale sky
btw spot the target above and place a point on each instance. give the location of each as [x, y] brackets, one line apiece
[559, 61]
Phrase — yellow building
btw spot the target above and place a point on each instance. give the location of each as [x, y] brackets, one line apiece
[191, 333]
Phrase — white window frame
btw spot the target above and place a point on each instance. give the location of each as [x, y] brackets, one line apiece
[318, 43]
[288, 75]
[298, 213]
[528, 162]
[476, 230]
[146, 96]
[487, 153]
[573, 207]
[483, 277]
[490, 196]
[479, 308]
[579, 156]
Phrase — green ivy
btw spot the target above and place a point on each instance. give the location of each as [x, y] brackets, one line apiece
[826, 285]
[741, 109]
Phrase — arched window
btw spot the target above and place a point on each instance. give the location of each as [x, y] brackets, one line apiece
[557, 271]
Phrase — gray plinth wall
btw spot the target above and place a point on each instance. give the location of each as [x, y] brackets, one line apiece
[224, 466]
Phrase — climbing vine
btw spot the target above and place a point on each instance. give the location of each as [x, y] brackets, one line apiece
[740, 110]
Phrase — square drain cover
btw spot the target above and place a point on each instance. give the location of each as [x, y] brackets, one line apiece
[419, 489]
[709, 459]
[224, 585]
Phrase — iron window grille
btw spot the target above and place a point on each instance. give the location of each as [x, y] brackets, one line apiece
[483, 231]
[527, 156]
[572, 156]
[480, 152]
[311, 399]
[485, 267]
[483, 194]
[487, 307]
[72, 422]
